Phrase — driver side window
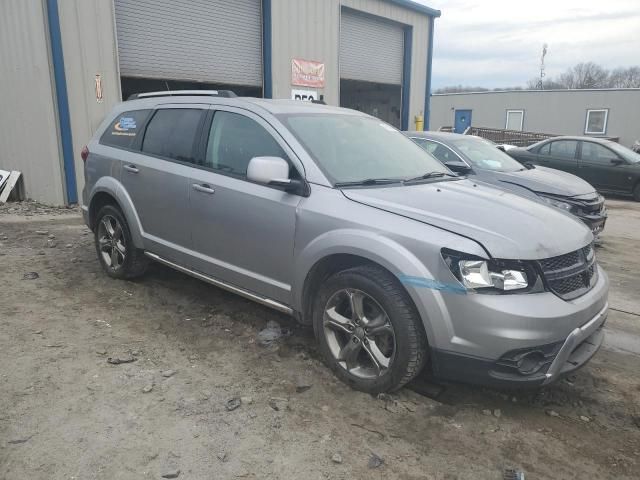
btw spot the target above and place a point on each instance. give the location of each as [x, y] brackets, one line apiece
[597, 153]
[440, 152]
[234, 140]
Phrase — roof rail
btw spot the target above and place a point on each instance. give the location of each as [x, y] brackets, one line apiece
[182, 93]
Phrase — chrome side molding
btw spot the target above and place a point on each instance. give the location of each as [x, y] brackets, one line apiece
[218, 283]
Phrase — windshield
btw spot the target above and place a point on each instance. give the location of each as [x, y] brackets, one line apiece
[624, 152]
[353, 148]
[483, 155]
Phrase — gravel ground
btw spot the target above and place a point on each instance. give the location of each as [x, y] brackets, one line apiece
[168, 376]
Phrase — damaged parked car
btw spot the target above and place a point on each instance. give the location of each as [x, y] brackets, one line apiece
[480, 159]
[338, 219]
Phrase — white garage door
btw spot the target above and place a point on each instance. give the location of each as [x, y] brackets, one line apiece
[371, 50]
[214, 41]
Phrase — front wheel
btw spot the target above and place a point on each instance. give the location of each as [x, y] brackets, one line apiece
[636, 193]
[368, 330]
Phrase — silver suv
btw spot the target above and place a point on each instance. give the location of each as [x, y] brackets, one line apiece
[337, 219]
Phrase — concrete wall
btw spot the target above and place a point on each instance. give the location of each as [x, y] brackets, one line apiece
[28, 121]
[561, 112]
[310, 29]
[90, 49]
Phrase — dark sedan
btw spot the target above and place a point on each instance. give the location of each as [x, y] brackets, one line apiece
[606, 165]
[480, 159]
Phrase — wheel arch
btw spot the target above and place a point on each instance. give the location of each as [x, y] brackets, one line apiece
[108, 191]
[337, 251]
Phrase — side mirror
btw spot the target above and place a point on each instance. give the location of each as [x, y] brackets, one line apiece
[274, 171]
[501, 147]
[617, 161]
[457, 166]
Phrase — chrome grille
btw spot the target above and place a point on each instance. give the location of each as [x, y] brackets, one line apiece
[571, 275]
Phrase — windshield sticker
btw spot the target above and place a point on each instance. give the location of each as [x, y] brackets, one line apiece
[123, 127]
[432, 284]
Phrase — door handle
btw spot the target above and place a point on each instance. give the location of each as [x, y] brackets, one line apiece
[131, 168]
[203, 188]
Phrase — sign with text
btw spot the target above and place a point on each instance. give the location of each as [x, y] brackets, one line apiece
[306, 73]
[305, 95]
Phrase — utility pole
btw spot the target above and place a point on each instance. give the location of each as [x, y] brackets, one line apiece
[542, 74]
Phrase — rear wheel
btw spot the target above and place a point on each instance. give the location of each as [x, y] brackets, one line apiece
[368, 330]
[117, 254]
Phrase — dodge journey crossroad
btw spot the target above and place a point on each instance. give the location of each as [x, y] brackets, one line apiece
[336, 218]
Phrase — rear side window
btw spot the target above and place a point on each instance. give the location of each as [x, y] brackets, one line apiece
[124, 130]
[171, 133]
[564, 148]
[234, 140]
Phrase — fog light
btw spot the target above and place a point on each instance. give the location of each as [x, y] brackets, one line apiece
[530, 363]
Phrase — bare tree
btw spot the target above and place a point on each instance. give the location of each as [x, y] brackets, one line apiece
[460, 89]
[625, 77]
[585, 75]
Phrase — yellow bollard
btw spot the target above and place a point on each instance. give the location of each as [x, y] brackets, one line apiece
[419, 122]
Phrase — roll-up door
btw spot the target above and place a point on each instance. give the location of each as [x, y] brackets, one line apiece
[214, 41]
[371, 50]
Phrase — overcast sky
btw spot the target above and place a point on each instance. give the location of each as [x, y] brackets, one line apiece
[497, 43]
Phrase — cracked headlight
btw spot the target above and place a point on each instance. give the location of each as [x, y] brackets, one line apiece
[476, 274]
[492, 275]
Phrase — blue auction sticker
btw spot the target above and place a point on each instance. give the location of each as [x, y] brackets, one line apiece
[127, 123]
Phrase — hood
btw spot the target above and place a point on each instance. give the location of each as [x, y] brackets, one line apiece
[547, 180]
[507, 225]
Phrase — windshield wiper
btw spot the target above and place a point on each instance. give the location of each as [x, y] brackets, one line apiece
[368, 181]
[429, 175]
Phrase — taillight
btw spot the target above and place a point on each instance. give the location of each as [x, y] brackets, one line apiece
[84, 153]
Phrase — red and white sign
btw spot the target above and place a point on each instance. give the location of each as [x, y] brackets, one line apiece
[306, 73]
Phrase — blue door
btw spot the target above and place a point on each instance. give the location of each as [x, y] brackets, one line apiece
[462, 121]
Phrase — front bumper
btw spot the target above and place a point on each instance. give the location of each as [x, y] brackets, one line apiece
[579, 347]
[595, 223]
[519, 340]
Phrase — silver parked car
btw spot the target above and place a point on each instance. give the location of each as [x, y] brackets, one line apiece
[338, 219]
[481, 160]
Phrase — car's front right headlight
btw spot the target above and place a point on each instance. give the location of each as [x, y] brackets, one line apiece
[497, 276]
[476, 274]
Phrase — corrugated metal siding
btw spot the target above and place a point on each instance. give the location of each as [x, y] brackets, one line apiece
[89, 44]
[307, 29]
[371, 50]
[211, 41]
[28, 122]
[310, 29]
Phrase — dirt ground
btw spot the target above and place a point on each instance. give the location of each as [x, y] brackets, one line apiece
[67, 413]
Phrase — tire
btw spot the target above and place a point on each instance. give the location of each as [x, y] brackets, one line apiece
[384, 304]
[114, 246]
[636, 193]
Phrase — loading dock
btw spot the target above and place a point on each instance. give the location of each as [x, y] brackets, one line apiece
[181, 44]
[371, 65]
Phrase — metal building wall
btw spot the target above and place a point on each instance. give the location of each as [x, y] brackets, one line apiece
[90, 49]
[307, 29]
[28, 121]
[553, 111]
[310, 29]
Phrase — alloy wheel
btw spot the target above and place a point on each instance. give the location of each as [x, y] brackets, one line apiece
[359, 333]
[111, 242]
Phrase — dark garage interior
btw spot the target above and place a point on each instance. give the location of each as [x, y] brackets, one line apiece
[377, 99]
